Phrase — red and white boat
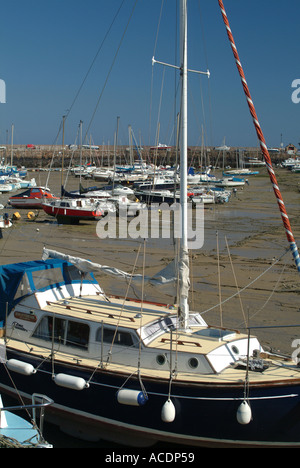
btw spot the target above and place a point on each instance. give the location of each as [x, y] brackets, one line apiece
[72, 210]
[5, 222]
[31, 198]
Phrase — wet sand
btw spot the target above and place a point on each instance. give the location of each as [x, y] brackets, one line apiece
[251, 225]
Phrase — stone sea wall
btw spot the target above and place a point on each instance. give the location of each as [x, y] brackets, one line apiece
[55, 156]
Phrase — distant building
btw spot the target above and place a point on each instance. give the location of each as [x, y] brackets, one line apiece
[291, 149]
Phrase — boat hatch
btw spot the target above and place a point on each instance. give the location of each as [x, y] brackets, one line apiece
[218, 333]
[159, 327]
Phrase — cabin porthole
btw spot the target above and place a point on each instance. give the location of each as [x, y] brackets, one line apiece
[234, 349]
[160, 359]
[193, 363]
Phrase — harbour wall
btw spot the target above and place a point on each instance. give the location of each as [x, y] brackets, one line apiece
[56, 157]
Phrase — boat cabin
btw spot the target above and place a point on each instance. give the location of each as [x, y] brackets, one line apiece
[51, 305]
[35, 192]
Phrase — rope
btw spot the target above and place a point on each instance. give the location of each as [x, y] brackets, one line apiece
[10, 442]
[235, 280]
[123, 305]
[110, 69]
[245, 287]
[219, 280]
[263, 146]
[268, 299]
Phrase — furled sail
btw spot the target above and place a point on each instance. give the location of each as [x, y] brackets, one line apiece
[166, 279]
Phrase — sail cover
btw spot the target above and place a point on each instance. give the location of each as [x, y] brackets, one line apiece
[18, 280]
[166, 279]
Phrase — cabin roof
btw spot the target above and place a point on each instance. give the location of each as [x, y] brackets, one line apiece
[113, 310]
[151, 321]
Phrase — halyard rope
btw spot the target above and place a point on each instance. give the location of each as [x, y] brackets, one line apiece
[262, 142]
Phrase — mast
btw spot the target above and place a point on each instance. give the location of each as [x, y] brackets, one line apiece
[183, 262]
[63, 151]
[80, 127]
[12, 145]
[184, 259]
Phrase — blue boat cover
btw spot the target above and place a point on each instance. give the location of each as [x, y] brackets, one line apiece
[32, 274]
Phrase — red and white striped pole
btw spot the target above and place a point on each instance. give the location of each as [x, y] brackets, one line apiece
[262, 142]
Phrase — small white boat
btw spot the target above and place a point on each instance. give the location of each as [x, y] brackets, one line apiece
[21, 183]
[230, 182]
[17, 432]
[239, 172]
[205, 198]
[103, 174]
[132, 207]
[10, 187]
[5, 221]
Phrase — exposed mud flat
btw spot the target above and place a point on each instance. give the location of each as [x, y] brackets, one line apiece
[250, 224]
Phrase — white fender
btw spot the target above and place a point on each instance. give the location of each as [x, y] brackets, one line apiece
[244, 414]
[168, 412]
[127, 396]
[70, 381]
[20, 367]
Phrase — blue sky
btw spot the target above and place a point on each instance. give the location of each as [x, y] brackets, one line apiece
[48, 47]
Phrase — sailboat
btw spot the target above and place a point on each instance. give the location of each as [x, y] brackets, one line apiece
[72, 210]
[139, 372]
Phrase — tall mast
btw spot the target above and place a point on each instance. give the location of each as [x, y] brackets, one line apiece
[12, 144]
[184, 261]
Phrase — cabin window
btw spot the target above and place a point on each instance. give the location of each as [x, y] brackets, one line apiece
[73, 273]
[193, 363]
[160, 359]
[121, 337]
[66, 332]
[78, 334]
[24, 287]
[45, 278]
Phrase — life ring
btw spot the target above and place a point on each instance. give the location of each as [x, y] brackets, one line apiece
[30, 215]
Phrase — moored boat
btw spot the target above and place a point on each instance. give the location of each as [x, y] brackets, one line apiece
[5, 222]
[18, 432]
[67, 337]
[73, 209]
[31, 198]
[230, 182]
[139, 372]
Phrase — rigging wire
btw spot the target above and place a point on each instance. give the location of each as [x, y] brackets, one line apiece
[236, 283]
[151, 87]
[110, 69]
[268, 299]
[248, 285]
[207, 67]
[122, 308]
[219, 280]
[95, 58]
